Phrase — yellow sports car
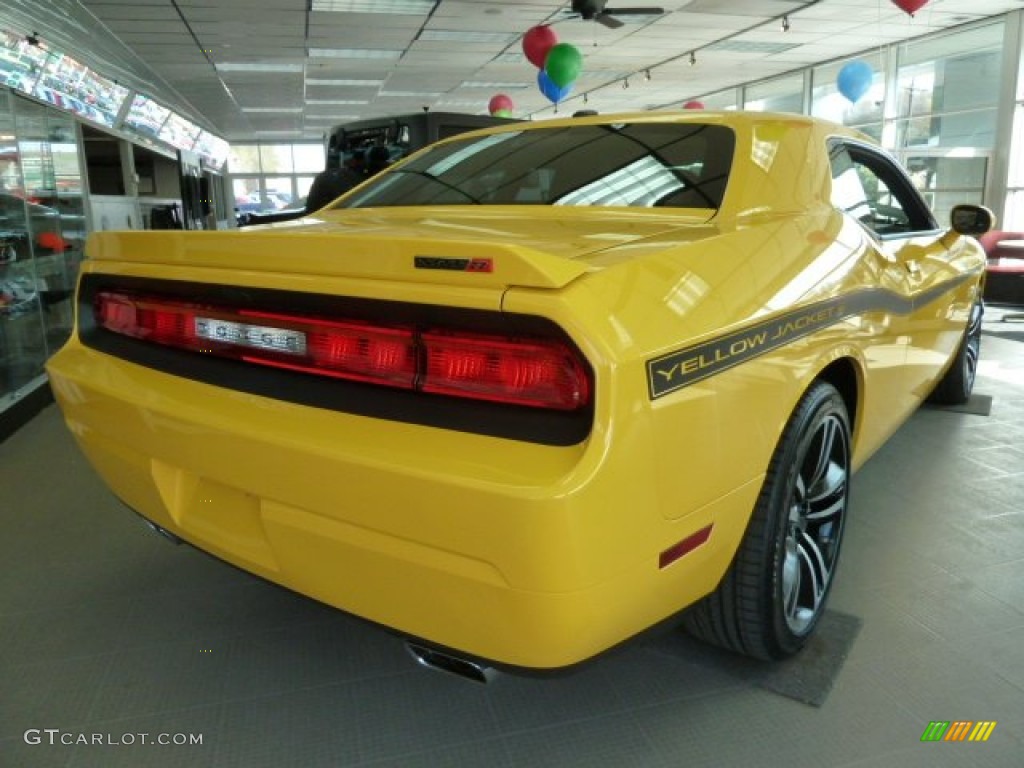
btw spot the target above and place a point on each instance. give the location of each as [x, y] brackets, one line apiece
[537, 388]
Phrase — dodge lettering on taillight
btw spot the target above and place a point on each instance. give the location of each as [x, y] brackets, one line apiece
[256, 336]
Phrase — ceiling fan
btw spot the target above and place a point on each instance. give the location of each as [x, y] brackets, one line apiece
[595, 10]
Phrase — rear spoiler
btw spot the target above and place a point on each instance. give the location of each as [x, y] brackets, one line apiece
[310, 250]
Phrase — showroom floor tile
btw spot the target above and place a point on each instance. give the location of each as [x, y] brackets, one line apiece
[109, 630]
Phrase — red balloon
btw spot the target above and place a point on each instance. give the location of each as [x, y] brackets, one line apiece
[693, 105]
[910, 6]
[500, 103]
[537, 42]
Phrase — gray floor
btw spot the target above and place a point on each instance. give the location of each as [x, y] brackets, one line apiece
[106, 629]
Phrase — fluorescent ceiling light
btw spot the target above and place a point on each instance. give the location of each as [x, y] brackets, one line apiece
[330, 118]
[257, 66]
[460, 102]
[509, 57]
[375, 6]
[750, 46]
[605, 77]
[487, 84]
[275, 110]
[411, 94]
[461, 36]
[342, 81]
[337, 101]
[354, 53]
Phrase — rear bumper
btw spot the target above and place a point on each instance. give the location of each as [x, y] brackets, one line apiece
[527, 555]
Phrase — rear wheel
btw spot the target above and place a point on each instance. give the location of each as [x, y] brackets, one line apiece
[955, 386]
[774, 593]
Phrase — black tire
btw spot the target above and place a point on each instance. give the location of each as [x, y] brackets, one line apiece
[775, 590]
[957, 383]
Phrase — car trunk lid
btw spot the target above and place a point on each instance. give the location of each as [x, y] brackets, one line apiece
[537, 247]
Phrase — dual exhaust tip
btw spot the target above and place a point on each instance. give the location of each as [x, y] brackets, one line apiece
[431, 658]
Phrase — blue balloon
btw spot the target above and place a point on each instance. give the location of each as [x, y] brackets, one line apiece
[550, 89]
[854, 80]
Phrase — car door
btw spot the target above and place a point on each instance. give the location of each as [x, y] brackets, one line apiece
[884, 332]
[919, 265]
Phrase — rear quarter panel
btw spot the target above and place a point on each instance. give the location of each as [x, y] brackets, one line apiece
[701, 441]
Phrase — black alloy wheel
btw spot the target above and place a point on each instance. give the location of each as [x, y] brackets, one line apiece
[774, 593]
[956, 385]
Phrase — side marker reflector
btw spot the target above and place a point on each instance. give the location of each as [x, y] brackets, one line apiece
[684, 547]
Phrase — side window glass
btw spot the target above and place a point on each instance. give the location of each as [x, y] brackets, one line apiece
[886, 216]
[848, 192]
[874, 191]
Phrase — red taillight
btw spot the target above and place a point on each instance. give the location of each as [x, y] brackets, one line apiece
[527, 372]
[541, 373]
[116, 313]
[344, 349]
[143, 319]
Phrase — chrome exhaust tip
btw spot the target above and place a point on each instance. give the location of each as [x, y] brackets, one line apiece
[163, 532]
[453, 665]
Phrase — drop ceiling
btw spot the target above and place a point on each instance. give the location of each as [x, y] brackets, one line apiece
[288, 69]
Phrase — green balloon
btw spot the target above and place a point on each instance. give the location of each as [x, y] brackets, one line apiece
[563, 64]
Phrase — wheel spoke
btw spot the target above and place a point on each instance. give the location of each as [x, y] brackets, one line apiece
[833, 510]
[971, 360]
[974, 329]
[801, 489]
[791, 578]
[972, 343]
[829, 495]
[827, 432]
[814, 562]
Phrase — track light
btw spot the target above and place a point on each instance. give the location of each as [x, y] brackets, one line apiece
[785, 23]
[693, 58]
[625, 83]
[33, 39]
[585, 100]
[647, 74]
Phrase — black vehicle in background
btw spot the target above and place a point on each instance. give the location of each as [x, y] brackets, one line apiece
[349, 145]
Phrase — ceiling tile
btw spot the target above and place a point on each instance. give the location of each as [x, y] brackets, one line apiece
[165, 48]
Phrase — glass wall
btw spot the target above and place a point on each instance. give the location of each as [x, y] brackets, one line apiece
[934, 102]
[727, 100]
[783, 94]
[269, 177]
[947, 89]
[829, 103]
[47, 100]
[946, 99]
[1015, 182]
[42, 233]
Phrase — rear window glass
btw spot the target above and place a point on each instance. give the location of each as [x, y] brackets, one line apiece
[630, 164]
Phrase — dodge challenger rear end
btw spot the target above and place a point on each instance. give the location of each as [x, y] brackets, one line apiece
[533, 390]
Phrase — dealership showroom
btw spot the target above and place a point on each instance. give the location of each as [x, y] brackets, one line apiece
[123, 645]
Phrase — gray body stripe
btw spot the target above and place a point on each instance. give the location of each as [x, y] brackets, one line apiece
[667, 373]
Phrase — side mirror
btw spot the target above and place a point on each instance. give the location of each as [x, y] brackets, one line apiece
[971, 220]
